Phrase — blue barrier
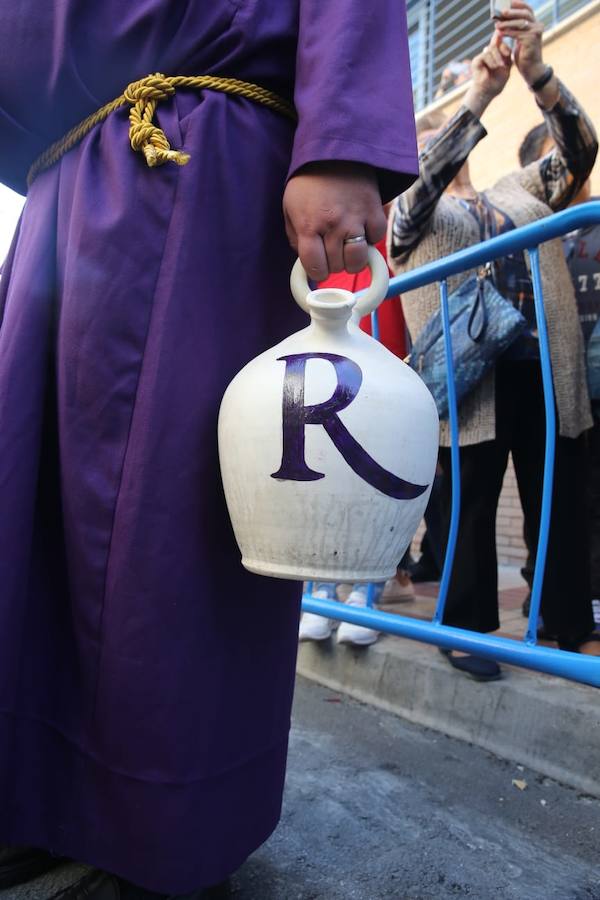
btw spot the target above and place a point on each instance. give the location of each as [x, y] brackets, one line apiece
[525, 653]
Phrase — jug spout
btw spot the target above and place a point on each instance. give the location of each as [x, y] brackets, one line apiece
[330, 308]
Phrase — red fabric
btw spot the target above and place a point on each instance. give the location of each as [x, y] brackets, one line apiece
[391, 318]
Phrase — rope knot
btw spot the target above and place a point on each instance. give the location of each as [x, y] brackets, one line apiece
[153, 87]
[144, 135]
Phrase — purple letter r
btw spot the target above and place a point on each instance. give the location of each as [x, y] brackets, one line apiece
[296, 416]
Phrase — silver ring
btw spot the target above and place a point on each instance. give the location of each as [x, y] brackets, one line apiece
[355, 240]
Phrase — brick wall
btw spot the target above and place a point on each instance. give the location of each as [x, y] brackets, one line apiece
[509, 523]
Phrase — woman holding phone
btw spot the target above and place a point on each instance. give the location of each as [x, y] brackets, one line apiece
[442, 213]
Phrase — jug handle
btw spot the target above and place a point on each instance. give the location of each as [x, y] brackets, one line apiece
[365, 304]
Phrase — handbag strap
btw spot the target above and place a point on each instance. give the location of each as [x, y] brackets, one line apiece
[491, 216]
[478, 316]
[488, 228]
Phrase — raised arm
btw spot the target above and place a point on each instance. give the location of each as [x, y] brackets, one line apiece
[558, 177]
[439, 163]
[446, 153]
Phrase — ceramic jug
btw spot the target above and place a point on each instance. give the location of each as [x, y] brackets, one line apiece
[328, 445]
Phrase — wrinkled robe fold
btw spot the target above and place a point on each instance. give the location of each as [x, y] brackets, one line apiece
[145, 678]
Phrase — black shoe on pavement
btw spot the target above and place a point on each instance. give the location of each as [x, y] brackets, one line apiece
[542, 632]
[94, 885]
[128, 891]
[575, 647]
[420, 572]
[21, 864]
[474, 666]
[218, 891]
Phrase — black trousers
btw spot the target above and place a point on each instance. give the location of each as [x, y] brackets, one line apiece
[593, 511]
[520, 430]
[593, 499]
[433, 542]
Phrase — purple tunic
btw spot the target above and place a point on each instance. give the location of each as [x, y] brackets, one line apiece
[145, 677]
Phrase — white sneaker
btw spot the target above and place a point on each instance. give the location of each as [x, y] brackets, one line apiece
[348, 633]
[399, 589]
[343, 591]
[314, 627]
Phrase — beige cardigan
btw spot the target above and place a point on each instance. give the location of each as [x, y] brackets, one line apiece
[451, 228]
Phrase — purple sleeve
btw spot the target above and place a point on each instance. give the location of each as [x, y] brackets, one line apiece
[353, 89]
[18, 149]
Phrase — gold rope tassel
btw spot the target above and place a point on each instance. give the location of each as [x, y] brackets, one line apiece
[143, 97]
[143, 134]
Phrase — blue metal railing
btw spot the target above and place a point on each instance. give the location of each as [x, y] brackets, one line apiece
[526, 653]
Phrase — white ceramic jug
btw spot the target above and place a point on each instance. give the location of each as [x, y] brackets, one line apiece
[328, 446]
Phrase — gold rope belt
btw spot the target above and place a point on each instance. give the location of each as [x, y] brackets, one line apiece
[143, 97]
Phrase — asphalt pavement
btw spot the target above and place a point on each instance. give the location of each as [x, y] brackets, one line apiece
[376, 807]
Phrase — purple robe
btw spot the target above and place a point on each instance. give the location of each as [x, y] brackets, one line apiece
[145, 678]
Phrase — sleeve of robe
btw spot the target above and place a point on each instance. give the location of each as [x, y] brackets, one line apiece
[353, 90]
[18, 148]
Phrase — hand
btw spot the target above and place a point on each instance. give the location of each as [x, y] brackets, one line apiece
[519, 22]
[326, 202]
[490, 69]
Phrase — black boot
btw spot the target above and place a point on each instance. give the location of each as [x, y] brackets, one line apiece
[94, 885]
[221, 891]
[218, 891]
[21, 864]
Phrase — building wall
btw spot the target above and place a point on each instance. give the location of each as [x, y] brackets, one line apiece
[573, 49]
[509, 523]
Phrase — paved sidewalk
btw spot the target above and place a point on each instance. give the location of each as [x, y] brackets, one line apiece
[378, 809]
[548, 723]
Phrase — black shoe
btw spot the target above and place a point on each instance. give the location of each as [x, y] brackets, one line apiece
[21, 864]
[474, 666]
[575, 646]
[542, 632]
[128, 891]
[220, 891]
[420, 572]
[544, 635]
[94, 885]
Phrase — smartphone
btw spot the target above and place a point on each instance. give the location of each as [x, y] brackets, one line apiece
[498, 6]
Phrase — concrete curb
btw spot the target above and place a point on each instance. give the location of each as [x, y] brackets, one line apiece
[546, 723]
